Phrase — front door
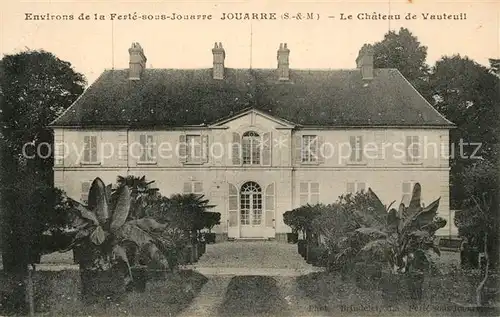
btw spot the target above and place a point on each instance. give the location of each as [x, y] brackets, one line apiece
[251, 222]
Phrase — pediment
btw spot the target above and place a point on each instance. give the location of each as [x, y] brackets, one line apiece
[252, 117]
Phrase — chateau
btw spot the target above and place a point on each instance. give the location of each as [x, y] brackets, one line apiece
[256, 142]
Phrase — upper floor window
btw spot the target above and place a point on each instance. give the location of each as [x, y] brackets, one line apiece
[356, 143]
[412, 149]
[90, 149]
[251, 146]
[309, 149]
[147, 148]
[193, 148]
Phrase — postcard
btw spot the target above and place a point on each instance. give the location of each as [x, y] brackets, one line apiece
[250, 158]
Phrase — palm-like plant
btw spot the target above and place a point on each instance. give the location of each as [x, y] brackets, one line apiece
[186, 211]
[144, 196]
[408, 235]
[107, 236]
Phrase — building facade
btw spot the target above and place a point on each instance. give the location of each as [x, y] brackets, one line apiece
[256, 142]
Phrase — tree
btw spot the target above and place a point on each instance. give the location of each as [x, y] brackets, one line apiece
[495, 66]
[35, 88]
[479, 220]
[467, 94]
[403, 51]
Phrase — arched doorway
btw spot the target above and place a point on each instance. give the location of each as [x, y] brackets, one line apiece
[251, 222]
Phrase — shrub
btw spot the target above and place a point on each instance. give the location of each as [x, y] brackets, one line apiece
[211, 219]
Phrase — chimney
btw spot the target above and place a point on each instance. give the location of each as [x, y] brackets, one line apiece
[219, 56]
[283, 62]
[137, 61]
[365, 61]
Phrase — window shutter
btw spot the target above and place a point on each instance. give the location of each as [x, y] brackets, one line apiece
[320, 150]
[416, 148]
[142, 142]
[236, 149]
[58, 147]
[444, 152]
[270, 203]
[361, 149]
[198, 187]
[406, 188]
[233, 206]
[314, 193]
[361, 187]
[187, 188]
[85, 192]
[297, 149]
[93, 148]
[182, 148]
[204, 148]
[352, 142]
[86, 148]
[380, 139]
[266, 149]
[304, 194]
[408, 150]
[350, 188]
[150, 147]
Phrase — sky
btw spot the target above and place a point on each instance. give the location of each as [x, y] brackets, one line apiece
[328, 41]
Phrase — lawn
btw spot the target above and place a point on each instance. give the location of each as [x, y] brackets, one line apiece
[443, 295]
[253, 296]
[58, 293]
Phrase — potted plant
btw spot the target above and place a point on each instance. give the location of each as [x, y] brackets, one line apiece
[290, 219]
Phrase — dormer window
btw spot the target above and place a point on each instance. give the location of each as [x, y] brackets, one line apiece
[251, 145]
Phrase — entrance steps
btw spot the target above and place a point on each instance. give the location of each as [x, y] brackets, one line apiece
[249, 239]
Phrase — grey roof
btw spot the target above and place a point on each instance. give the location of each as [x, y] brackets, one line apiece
[180, 97]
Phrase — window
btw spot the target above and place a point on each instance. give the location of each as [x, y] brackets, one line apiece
[193, 149]
[412, 149]
[84, 198]
[380, 139]
[193, 187]
[309, 149]
[147, 148]
[251, 204]
[309, 193]
[354, 187]
[251, 145]
[356, 143]
[407, 189]
[90, 149]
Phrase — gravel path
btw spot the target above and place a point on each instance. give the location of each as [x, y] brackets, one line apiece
[253, 254]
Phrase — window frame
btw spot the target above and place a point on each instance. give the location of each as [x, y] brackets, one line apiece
[357, 149]
[192, 189]
[147, 149]
[87, 147]
[356, 185]
[191, 149]
[416, 146]
[309, 194]
[253, 149]
[406, 197]
[306, 155]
